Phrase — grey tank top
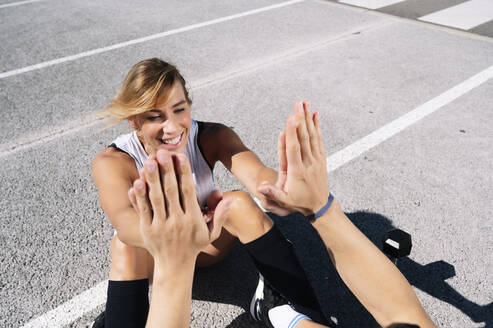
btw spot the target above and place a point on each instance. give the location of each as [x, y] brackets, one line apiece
[201, 171]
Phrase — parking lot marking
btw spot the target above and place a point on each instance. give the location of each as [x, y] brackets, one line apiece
[73, 309]
[13, 4]
[364, 144]
[464, 16]
[143, 39]
[88, 122]
[371, 4]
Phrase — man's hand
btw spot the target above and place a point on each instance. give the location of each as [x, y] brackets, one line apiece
[171, 222]
[302, 165]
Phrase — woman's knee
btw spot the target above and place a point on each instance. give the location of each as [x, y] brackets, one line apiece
[243, 203]
[245, 219]
[216, 251]
[128, 262]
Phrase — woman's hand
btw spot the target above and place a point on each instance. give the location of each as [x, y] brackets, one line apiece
[302, 185]
[171, 222]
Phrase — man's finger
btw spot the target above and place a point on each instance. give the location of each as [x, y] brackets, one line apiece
[293, 154]
[281, 152]
[185, 180]
[143, 206]
[168, 178]
[306, 153]
[316, 120]
[156, 199]
[312, 132]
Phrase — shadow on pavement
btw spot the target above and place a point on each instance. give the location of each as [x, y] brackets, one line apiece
[234, 280]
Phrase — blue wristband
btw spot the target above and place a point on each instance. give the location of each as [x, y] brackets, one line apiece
[325, 208]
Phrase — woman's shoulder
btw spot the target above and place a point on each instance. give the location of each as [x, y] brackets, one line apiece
[111, 161]
[213, 130]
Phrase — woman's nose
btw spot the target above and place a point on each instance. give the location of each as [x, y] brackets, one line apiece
[170, 126]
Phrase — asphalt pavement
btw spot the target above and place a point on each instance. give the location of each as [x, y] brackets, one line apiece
[246, 63]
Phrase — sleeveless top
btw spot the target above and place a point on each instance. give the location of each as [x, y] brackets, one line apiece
[201, 171]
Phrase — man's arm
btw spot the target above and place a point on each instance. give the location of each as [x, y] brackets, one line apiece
[372, 278]
[368, 273]
[174, 232]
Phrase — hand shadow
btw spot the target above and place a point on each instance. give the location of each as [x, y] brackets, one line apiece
[233, 281]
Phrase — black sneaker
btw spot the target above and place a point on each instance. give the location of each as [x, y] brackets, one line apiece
[264, 299]
[99, 321]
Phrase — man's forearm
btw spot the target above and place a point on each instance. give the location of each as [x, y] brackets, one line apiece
[368, 273]
[171, 296]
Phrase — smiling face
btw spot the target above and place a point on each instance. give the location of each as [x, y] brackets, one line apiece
[167, 125]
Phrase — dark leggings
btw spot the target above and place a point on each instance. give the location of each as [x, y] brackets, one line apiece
[127, 304]
[275, 259]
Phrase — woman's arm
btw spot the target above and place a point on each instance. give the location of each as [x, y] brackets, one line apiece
[113, 174]
[239, 160]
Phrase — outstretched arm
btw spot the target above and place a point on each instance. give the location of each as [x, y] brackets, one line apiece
[367, 272]
[246, 166]
[173, 231]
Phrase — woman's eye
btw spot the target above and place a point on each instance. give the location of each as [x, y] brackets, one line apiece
[179, 110]
[153, 118]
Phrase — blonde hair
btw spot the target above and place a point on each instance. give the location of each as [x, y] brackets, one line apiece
[147, 83]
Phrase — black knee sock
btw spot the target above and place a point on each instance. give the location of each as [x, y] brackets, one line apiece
[127, 304]
[275, 259]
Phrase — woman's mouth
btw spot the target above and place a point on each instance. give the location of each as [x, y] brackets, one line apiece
[173, 142]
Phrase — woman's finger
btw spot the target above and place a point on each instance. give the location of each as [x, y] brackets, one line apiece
[169, 183]
[142, 202]
[151, 173]
[293, 154]
[213, 199]
[272, 193]
[312, 132]
[306, 153]
[187, 187]
[133, 200]
[220, 215]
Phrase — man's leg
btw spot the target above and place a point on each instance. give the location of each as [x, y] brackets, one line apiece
[273, 255]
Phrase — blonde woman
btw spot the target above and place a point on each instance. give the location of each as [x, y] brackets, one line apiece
[154, 100]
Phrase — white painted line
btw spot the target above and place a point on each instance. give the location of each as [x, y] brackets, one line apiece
[464, 16]
[52, 133]
[371, 4]
[13, 4]
[143, 39]
[357, 148]
[71, 310]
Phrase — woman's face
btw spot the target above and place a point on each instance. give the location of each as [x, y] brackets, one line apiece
[167, 126]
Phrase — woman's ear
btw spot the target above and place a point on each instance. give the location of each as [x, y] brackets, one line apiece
[133, 123]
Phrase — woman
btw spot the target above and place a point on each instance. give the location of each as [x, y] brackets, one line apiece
[155, 101]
